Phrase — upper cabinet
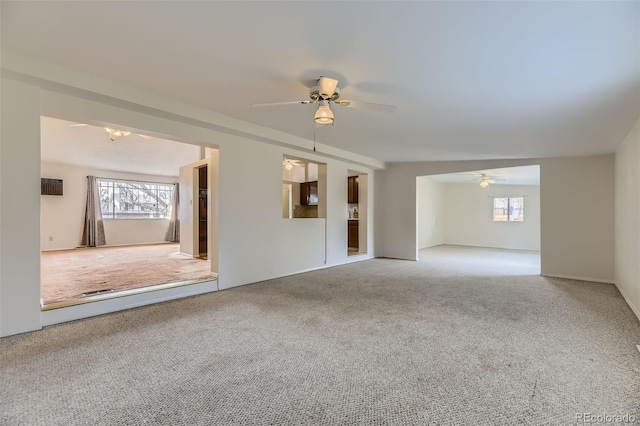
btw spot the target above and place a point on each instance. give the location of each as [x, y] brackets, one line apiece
[309, 193]
[352, 189]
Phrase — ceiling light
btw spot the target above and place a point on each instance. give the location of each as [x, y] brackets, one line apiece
[114, 134]
[288, 166]
[324, 115]
[484, 182]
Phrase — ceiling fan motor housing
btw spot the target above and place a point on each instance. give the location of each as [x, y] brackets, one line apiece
[317, 96]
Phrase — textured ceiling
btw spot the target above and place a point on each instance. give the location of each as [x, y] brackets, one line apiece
[524, 175]
[89, 146]
[471, 80]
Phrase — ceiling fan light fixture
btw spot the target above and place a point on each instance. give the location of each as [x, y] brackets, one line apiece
[323, 114]
[115, 134]
[484, 182]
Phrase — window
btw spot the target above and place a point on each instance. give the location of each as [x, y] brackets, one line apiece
[508, 209]
[121, 199]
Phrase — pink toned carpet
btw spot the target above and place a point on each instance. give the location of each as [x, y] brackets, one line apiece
[66, 275]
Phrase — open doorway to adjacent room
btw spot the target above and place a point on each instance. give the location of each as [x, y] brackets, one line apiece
[480, 215]
[123, 212]
[357, 212]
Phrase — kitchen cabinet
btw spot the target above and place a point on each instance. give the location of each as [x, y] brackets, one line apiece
[353, 235]
[352, 189]
[309, 193]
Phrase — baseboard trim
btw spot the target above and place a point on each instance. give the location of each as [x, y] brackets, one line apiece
[11, 331]
[626, 299]
[111, 245]
[572, 277]
[364, 256]
[359, 257]
[86, 310]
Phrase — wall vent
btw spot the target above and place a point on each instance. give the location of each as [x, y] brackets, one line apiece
[50, 186]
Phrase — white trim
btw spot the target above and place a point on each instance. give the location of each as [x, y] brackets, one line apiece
[571, 277]
[303, 271]
[12, 331]
[359, 257]
[113, 245]
[86, 310]
[635, 309]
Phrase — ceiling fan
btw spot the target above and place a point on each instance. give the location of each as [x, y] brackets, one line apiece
[288, 163]
[115, 133]
[484, 179]
[326, 93]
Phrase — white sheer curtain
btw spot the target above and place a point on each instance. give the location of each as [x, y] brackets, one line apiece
[93, 230]
[173, 234]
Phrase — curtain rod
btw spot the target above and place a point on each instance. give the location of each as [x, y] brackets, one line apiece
[138, 181]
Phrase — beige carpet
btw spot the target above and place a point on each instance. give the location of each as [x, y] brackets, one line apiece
[66, 275]
[463, 337]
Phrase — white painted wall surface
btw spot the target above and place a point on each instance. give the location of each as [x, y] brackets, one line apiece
[186, 210]
[430, 212]
[571, 246]
[19, 208]
[255, 243]
[62, 216]
[577, 217]
[189, 193]
[469, 217]
[363, 212]
[627, 223]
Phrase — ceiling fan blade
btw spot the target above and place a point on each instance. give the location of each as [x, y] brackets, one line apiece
[77, 125]
[367, 105]
[283, 103]
[326, 87]
[149, 138]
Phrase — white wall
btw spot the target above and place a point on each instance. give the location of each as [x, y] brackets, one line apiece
[430, 213]
[627, 224]
[189, 193]
[19, 208]
[576, 217]
[255, 242]
[62, 216]
[469, 217]
[363, 212]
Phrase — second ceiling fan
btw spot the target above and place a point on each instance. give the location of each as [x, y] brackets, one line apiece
[326, 93]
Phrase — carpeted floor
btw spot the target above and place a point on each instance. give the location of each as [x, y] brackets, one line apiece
[67, 274]
[457, 338]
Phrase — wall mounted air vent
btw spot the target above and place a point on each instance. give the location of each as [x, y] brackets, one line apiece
[50, 186]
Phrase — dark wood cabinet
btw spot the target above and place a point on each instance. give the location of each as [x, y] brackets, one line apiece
[309, 193]
[352, 189]
[353, 235]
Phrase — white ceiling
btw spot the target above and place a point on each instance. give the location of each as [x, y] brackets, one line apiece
[472, 80]
[90, 146]
[524, 175]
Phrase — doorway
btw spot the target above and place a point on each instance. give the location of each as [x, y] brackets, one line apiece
[357, 213]
[137, 192]
[493, 208]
